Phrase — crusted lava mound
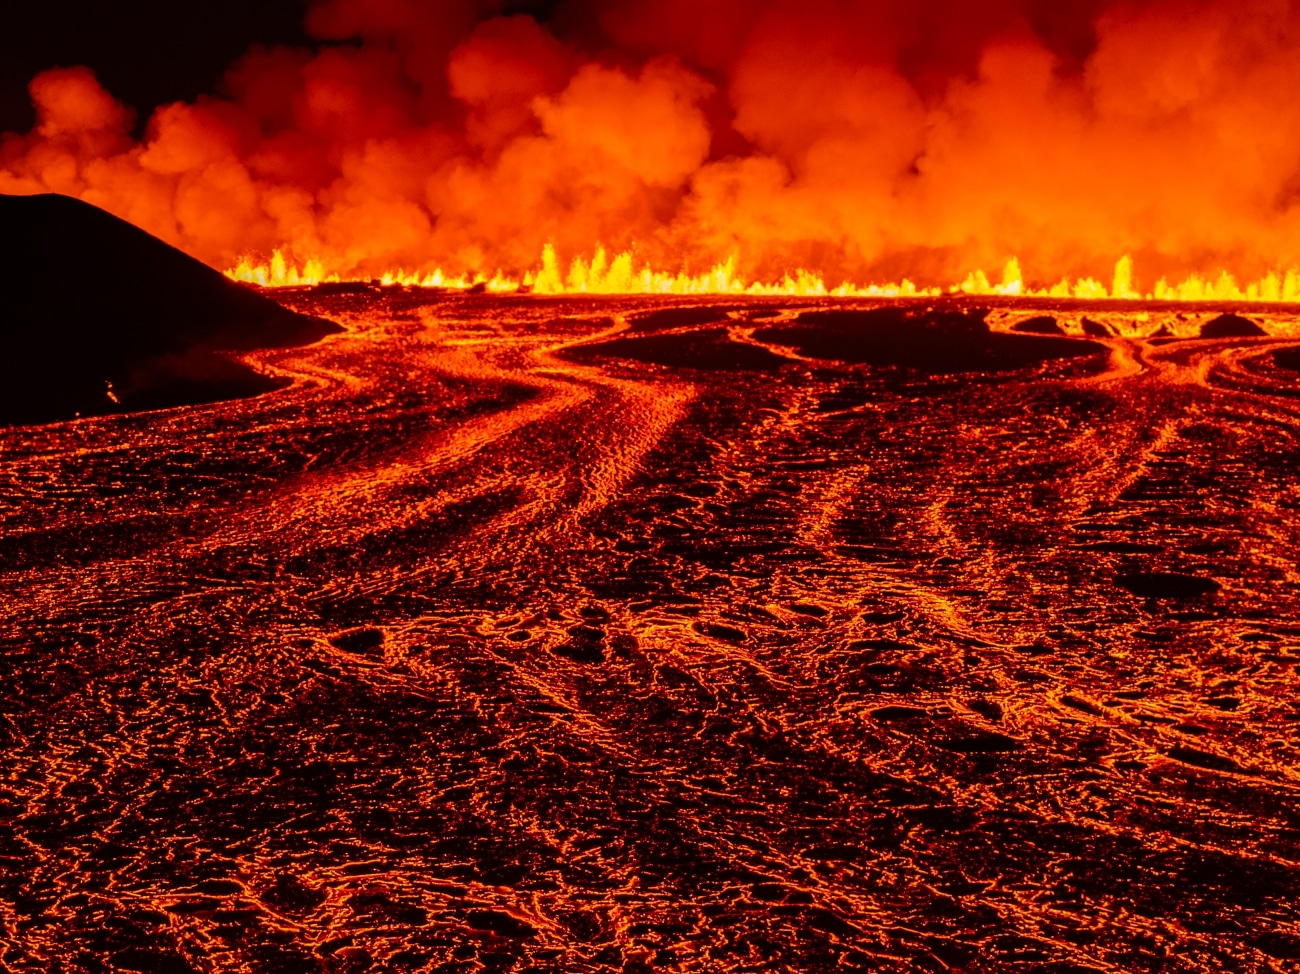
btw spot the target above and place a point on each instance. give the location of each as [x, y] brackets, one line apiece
[664, 319]
[1288, 358]
[936, 341]
[100, 317]
[1042, 325]
[1167, 585]
[705, 348]
[1232, 326]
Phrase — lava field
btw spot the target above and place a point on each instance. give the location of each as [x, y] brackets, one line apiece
[576, 635]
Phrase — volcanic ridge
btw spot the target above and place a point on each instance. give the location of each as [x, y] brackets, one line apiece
[101, 317]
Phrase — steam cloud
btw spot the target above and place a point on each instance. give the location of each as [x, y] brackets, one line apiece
[864, 140]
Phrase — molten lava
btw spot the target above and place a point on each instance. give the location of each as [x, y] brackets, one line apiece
[747, 634]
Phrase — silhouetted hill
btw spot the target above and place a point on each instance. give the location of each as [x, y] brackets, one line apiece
[97, 316]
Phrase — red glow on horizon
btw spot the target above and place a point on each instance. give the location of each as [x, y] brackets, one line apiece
[856, 143]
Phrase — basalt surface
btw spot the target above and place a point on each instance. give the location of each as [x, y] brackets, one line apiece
[552, 635]
[97, 316]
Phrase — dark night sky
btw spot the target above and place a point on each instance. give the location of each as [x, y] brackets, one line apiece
[146, 52]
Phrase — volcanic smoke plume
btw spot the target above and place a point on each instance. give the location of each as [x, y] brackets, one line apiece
[857, 139]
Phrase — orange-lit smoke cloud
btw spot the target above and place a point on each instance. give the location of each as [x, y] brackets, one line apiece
[858, 139]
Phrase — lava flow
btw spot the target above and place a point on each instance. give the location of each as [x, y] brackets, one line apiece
[778, 485]
[561, 634]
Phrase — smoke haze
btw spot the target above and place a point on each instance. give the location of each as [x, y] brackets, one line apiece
[862, 140]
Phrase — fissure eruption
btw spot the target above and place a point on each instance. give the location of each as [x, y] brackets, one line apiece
[776, 146]
[601, 275]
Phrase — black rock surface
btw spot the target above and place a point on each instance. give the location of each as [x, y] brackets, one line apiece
[668, 318]
[1288, 358]
[1231, 326]
[1167, 585]
[706, 348]
[98, 316]
[935, 341]
[1041, 325]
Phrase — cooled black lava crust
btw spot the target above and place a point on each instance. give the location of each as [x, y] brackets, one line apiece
[504, 640]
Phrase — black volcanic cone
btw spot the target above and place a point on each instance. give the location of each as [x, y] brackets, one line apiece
[98, 316]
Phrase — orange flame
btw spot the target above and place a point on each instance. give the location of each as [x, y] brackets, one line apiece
[855, 140]
[620, 275]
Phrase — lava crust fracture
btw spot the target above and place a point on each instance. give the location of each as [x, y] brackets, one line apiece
[524, 634]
